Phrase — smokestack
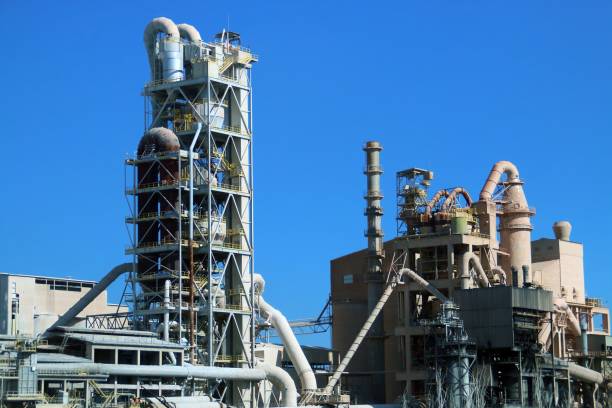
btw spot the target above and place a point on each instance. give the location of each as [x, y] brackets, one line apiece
[375, 255]
[374, 210]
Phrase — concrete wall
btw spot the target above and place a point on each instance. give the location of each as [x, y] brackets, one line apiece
[559, 266]
[41, 302]
[349, 293]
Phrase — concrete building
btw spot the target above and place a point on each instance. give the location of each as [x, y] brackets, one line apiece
[31, 304]
[505, 286]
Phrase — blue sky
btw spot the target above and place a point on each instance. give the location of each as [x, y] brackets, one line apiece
[452, 86]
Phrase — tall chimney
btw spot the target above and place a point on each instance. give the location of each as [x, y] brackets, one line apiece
[375, 255]
[374, 210]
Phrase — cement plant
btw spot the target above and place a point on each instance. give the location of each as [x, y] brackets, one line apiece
[460, 308]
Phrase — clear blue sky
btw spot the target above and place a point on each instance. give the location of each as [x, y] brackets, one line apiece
[446, 85]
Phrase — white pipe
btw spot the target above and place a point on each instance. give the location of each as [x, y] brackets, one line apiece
[280, 323]
[167, 310]
[189, 32]
[187, 371]
[466, 258]
[158, 25]
[584, 374]
[90, 296]
[574, 324]
[283, 381]
[397, 279]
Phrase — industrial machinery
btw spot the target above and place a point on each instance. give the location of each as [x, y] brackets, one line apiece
[443, 315]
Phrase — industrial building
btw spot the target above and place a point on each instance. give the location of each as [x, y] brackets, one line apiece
[30, 304]
[445, 314]
[518, 302]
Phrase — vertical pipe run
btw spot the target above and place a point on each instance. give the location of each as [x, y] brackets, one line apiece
[167, 310]
[192, 328]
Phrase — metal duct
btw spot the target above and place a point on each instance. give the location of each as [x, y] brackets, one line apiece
[574, 324]
[189, 32]
[584, 374]
[515, 224]
[453, 195]
[169, 48]
[498, 271]
[466, 258]
[434, 200]
[395, 280]
[229, 373]
[90, 296]
[284, 382]
[280, 323]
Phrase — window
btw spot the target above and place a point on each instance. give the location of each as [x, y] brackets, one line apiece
[347, 279]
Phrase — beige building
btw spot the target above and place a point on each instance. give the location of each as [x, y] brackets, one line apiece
[30, 304]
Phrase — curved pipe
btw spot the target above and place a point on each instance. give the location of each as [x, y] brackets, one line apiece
[434, 200]
[453, 195]
[585, 374]
[189, 32]
[499, 272]
[280, 323]
[574, 324]
[501, 167]
[158, 25]
[283, 381]
[89, 297]
[545, 335]
[468, 257]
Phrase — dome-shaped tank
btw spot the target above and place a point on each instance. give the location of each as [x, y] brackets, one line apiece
[157, 140]
[562, 230]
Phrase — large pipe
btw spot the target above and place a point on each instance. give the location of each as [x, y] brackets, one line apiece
[466, 259]
[192, 328]
[284, 382]
[169, 47]
[500, 273]
[515, 223]
[434, 200]
[574, 324]
[452, 196]
[584, 374]
[167, 310]
[187, 371]
[89, 297]
[280, 323]
[396, 280]
[189, 32]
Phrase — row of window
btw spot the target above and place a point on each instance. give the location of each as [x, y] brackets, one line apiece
[73, 286]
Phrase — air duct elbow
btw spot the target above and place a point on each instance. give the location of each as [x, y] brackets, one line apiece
[452, 196]
[283, 381]
[467, 258]
[434, 200]
[280, 323]
[189, 32]
[170, 49]
[500, 168]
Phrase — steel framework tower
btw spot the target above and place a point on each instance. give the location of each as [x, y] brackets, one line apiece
[192, 202]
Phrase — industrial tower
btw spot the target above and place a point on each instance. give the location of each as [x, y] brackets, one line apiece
[192, 199]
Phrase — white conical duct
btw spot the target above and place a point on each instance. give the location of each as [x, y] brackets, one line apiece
[515, 224]
[170, 49]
